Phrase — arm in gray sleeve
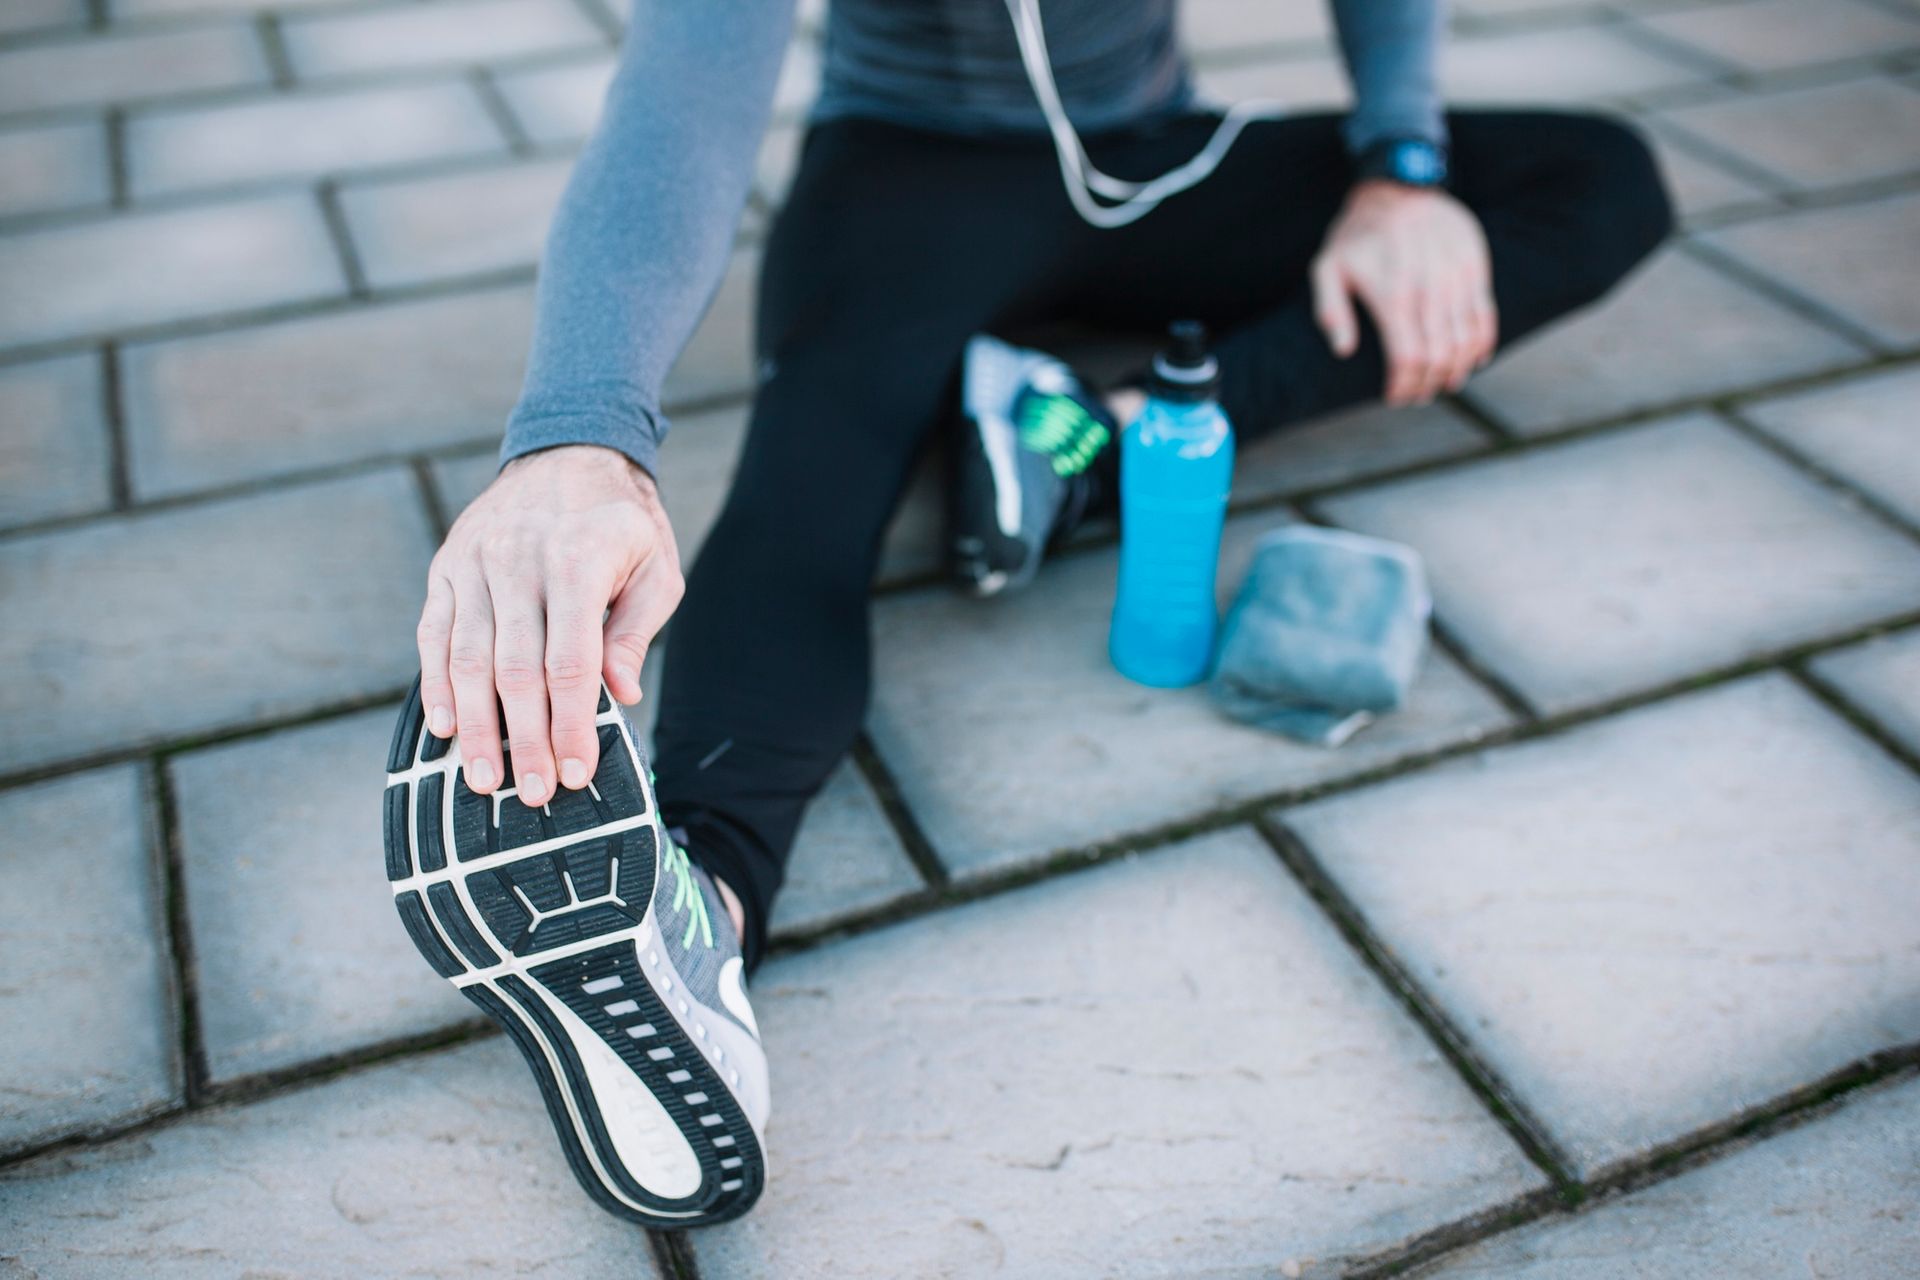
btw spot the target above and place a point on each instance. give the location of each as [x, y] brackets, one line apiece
[642, 236]
[1392, 51]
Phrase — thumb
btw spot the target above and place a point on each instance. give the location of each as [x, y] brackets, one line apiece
[635, 618]
[1333, 309]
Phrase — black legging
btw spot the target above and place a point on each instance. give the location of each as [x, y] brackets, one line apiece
[897, 244]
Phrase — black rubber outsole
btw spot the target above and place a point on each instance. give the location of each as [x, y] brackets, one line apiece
[596, 886]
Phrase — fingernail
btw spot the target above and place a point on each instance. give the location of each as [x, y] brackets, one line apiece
[573, 773]
[628, 676]
[440, 721]
[480, 774]
[533, 788]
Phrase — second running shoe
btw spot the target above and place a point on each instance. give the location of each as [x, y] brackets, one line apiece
[1029, 432]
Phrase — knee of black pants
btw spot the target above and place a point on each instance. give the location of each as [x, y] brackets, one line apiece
[1623, 205]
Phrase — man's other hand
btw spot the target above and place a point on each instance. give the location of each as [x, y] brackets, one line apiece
[1417, 259]
[515, 605]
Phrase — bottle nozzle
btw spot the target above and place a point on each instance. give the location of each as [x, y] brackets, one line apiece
[1186, 370]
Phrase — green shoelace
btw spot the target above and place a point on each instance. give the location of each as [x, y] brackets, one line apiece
[686, 893]
[1060, 427]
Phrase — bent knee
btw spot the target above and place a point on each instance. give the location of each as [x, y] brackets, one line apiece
[1629, 211]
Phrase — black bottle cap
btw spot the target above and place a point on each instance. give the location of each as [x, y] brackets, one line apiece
[1185, 370]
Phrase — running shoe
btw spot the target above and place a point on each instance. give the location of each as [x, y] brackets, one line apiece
[1030, 431]
[582, 928]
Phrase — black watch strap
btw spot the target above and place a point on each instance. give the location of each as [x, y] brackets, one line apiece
[1414, 162]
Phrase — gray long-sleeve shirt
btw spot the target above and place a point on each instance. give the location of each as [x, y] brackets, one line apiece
[642, 236]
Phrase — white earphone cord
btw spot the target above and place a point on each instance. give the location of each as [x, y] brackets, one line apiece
[1082, 179]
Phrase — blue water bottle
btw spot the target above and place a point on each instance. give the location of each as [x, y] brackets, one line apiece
[1176, 467]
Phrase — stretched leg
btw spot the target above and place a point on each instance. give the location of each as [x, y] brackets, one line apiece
[890, 252]
[1569, 204]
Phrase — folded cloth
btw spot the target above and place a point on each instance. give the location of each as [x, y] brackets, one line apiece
[1328, 630]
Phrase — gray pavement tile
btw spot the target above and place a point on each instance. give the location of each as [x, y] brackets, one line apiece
[1651, 924]
[1677, 330]
[799, 79]
[1842, 258]
[415, 230]
[131, 270]
[1012, 736]
[1557, 64]
[1772, 35]
[846, 859]
[199, 618]
[53, 168]
[437, 1166]
[1833, 1197]
[1351, 446]
[718, 360]
[87, 999]
[1624, 562]
[561, 102]
[53, 453]
[304, 135]
[1208, 26]
[298, 951]
[1700, 187]
[1881, 677]
[778, 161]
[1861, 429]
[455, 33]
[95, 69]
[243, 404]
[124, 9]
[40, 15]
[1816, 135]
[1010, 1088]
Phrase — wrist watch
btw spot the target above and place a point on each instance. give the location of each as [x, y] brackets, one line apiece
[1413, 162]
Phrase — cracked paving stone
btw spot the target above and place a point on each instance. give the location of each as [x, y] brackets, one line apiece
[1005, 759]
[1651, 924]
[438, 1165]
[994, 1090]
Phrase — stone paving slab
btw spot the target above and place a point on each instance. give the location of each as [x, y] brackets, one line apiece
[1351, 446]
[298, 951]
[1623, 562]
[1698, 186]
[305, 135]
[718, 360]
[457, 33]
[1834, 1197]
[418, 230]
[53, 168]
[1881, 678]
[244, 404]
[558, 103]
[436, 1166]
[1557, 64]
[1653, 923]
[87, 996]
[39, 15]
[1861, 429]
[131, 270]
[53, 453]
[194, 619]
[999, 1089]
[1840, 258]
[1316, 83]
[1773, 35]
[1211, 26]
[995, 786]
[94, 70]
[1675, 331]
[1818, 135]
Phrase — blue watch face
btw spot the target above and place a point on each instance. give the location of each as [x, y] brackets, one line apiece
[1419, 163]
